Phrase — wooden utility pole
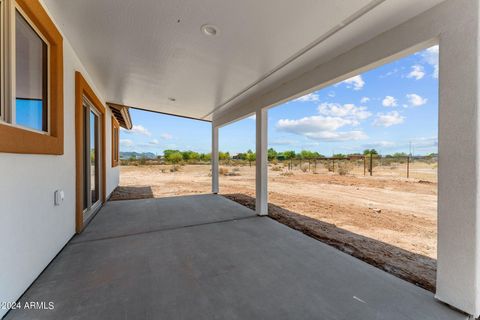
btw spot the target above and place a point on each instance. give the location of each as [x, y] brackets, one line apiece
[371, 164]
[408, 167]
[364, 165]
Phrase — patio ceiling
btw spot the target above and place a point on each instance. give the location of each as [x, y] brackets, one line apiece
[152, 54]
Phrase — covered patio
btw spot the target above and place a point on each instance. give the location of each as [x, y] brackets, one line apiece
[206, 257]
[203, 257]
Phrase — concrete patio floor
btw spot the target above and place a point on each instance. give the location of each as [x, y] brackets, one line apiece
[206, 257]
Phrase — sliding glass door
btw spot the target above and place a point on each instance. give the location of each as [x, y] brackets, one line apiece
[92, 159]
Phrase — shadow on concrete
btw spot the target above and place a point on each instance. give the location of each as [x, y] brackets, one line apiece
[412, 267]
[131, 193]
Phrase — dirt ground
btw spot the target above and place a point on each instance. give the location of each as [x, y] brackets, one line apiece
[386, 220]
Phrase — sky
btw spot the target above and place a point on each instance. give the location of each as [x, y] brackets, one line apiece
[391, 108]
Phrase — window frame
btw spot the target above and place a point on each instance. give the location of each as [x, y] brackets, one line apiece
[17, 138]
[83, 90]
[115, 142]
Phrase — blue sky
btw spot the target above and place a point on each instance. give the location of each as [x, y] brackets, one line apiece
[386, 108]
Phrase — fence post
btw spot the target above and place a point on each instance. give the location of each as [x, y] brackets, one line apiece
[364, 165]
[333, 165]
[408, 167]
[371, 164]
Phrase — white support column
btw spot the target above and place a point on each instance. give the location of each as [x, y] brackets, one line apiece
[458, 257]
[261, 178]
[214, 159]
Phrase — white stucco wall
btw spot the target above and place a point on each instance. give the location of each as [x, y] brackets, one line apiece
[454, 24]
[32, 229]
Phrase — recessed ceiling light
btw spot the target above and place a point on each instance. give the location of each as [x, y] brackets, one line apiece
[172, 99]
[209, 30]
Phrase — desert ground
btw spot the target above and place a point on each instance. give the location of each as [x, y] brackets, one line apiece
[386, 219]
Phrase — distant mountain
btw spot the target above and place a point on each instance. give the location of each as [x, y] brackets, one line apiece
[137, 155]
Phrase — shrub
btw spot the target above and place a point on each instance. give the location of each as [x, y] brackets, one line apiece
[328, 165]
[236, 169]
[174, 168]
[287, 173]
[276, 168]
[344, 167]
[223, 170]
[304, 167]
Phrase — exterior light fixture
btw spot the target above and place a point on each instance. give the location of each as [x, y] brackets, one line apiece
[209, 30]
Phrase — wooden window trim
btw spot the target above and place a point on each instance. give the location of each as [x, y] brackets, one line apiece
[83, 89]
[18, 140]
[115, 142]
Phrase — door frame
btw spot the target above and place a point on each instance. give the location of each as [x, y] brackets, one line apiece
[83, 89]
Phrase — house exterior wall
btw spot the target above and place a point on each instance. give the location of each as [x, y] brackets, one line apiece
[454, 24]
[32, 229]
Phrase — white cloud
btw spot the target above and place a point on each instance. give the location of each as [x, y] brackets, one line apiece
[166, 136]
[253, 117]
[415, 100]
[282, 142]
[348, 111]
[309, 97]
[380, 144]
[391, 73]
[154, 142]
[388, 119]
[430, 56]
[139, 129]
[313, 124]
[417, 72]
[425, 143]
[127, 143]
[356, 83]
[331, 94]
[389, 101]
[364, 99]
[333, 136]
[321, 128]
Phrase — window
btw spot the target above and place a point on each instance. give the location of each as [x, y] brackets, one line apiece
[115, 141]
[31, 89]
[31, 70]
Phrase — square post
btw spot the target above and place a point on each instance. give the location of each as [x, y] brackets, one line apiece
[261, 177]
[458, 257]
[214, 160]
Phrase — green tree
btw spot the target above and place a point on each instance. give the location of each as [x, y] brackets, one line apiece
[271, 154]
[307, 155]
[205, 156]
[175, 157]
[289, 155]
[399, 155]
[195, 156]
[368, 152]
[241, 156]
[190, 155]
[166, 153]
[339, 155]
[250, 157]
[225, 156]
[318, 155]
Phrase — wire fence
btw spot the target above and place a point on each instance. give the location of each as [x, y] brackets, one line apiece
[420, 167]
